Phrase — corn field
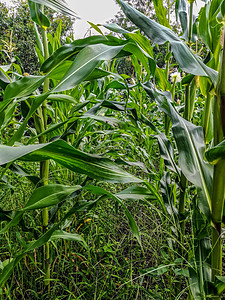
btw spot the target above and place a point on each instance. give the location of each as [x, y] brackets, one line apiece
[112, 185]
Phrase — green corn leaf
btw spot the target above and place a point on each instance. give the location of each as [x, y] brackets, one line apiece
[85, 62]
[187, 60]
[210, 28]
[68, 50]
[44, 196]
[137, 37]
[115, 84]
[96, 74]
[4, 78]
[161, 12]
[60, 71]
[136, 192]
[216, 153]
[58, 5]
[62, 98]
[49, 195]
[108, 120]
[116, 28]
[61, 234]
[167, 153]
[37, 16]
[50, 129]
[204, 26]
[12, 222]
[38, 40]
[71, 158]
[143, 43]
[220, 284]
[191, 147]
[96, 27]
[36, 103]
[23, 87]
[8, 269]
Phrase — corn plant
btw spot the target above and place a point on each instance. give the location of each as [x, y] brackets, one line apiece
[189, 190]
[86, 55]
[189, 137]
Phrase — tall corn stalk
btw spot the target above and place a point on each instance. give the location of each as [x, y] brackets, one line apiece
[44, 165]
[219, 167]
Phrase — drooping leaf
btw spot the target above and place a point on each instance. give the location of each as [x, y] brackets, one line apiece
[136, 193]
[71, 158]
[61, 234]
[167, 153]
[187, 60]
[48, 195]
[23, 87]
[191, 147]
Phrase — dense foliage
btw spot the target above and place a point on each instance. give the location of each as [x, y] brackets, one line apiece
[112, 184]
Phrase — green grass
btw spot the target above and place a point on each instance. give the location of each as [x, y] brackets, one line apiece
[112, 266]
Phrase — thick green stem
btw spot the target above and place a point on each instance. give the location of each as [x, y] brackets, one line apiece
[207, 114]
[217, 213]
[44, 165]
[218, 178]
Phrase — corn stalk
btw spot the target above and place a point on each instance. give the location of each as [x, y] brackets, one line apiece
[218, 178]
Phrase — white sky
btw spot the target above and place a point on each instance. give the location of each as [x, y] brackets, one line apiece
[95, 11]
